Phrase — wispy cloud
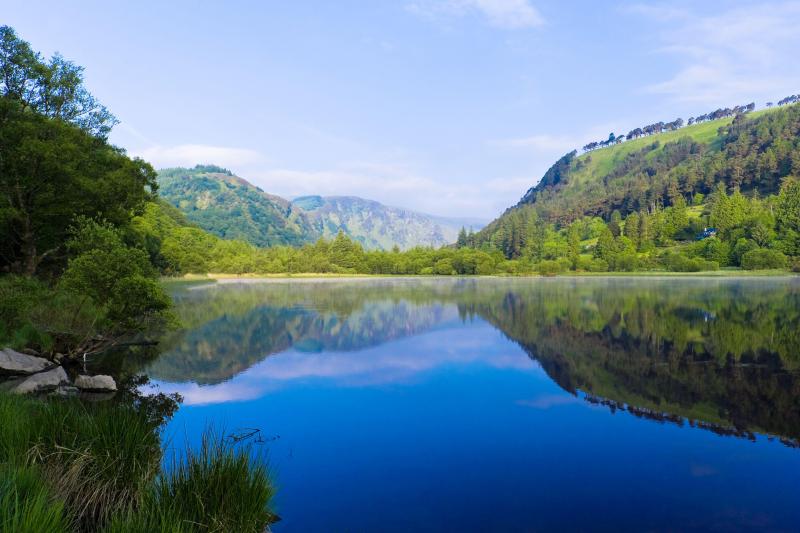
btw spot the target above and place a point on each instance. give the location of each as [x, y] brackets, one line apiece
[504, 14]
[192, 154]
[729, 56]
[390, 184]
[539, 143]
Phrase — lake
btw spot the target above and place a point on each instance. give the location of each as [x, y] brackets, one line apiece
[481, 404]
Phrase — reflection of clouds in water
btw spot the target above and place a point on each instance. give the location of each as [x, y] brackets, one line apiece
[547, 401]
[393, 362]
[194, 394]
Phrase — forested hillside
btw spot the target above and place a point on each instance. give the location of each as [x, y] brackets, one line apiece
[232, 208]
[660, 190]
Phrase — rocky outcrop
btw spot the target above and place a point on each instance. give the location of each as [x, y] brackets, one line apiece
[15, 363]
[98, 383]
[41, 382]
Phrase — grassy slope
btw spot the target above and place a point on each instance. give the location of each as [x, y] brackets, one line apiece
[603, 160]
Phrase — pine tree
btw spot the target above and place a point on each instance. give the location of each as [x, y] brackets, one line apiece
[461, 242]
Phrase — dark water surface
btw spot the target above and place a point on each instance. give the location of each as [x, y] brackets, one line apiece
[619, 404]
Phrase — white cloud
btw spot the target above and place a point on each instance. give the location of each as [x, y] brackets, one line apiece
[729, 57]
[505, 14]
[192, 154]
[388, 184]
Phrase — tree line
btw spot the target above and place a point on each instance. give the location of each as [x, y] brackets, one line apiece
[661, 127]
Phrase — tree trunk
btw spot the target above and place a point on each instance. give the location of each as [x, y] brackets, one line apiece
[28, 248]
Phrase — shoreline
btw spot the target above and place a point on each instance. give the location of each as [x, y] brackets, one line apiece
[723, 274]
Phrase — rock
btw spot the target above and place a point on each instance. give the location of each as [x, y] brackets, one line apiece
[43, 381]
[96, 383]
[13, 362]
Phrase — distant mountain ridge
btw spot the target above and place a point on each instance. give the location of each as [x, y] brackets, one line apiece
[377, 226]
[232, 208]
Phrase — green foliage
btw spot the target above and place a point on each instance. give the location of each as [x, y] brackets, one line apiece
[66, 464]
[787, 209]
[95, 459]
[231, 208]
[680, 263]
[117, 278]
[27, 504]
[218, 488]
[748, 155]
[550, 267]
[51, 173]
[763, 258]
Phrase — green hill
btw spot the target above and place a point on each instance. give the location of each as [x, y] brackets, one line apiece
[231, 208]
[751, 152]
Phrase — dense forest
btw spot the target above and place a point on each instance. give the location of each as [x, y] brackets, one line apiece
[231, 208]
[642, 204]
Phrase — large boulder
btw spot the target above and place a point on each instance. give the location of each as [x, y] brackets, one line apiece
[41, 382]
[98, 383]
[15, 363]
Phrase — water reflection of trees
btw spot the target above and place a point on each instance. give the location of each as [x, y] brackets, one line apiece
[229, 331]
[720, 354]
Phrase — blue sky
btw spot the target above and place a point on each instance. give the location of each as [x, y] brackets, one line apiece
[452, 107]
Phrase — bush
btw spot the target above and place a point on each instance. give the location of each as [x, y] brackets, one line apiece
[114, 277]
[624, 262]
[443, 267]
[763, 259]
[18, 296]
[680, 263]
[592, 265]
[549, 267]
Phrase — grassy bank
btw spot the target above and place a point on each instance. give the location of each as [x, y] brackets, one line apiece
[67, 466]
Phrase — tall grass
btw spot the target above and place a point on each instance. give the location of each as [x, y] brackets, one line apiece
[70, 466]
[218, 488]
[97, 459]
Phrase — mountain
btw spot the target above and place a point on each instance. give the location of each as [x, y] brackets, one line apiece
[751, 151]
[232, 208]
[377, 226]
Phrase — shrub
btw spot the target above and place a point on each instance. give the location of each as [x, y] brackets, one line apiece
[680, 263]
[624, 262]
[443, 267]
[762, 259]
[549, 267]
[117, 278]
[592, 265]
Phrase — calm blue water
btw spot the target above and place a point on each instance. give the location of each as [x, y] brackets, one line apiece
[503, 405]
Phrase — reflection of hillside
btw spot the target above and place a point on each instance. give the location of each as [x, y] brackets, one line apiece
[724, 354]
[258, 324]
[724, 357]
